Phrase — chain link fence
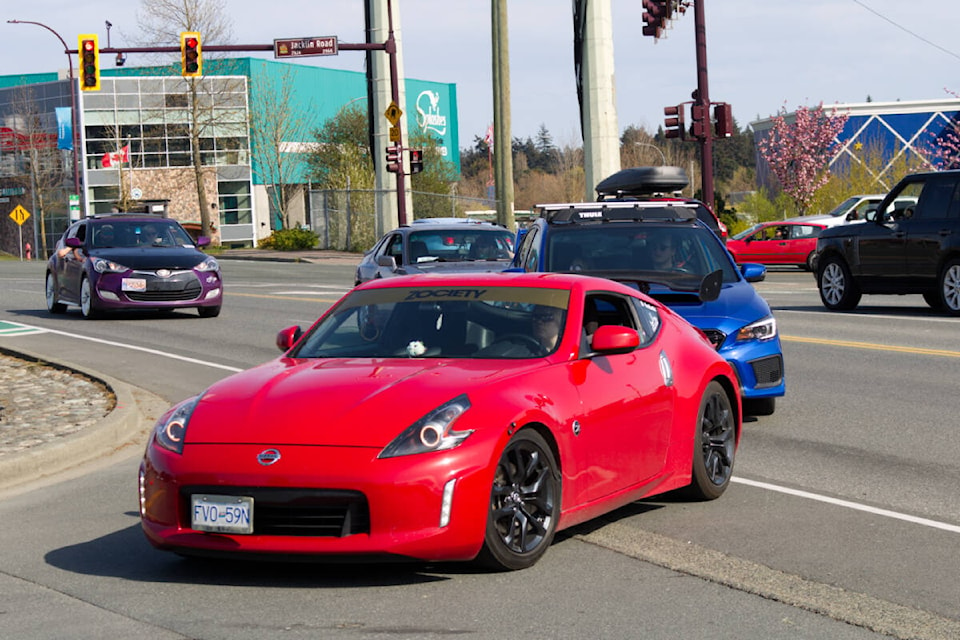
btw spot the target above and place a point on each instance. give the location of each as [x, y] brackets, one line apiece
[346, 219]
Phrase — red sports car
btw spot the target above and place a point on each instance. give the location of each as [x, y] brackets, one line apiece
[445, 417]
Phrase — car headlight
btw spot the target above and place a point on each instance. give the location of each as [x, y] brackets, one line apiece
[108, 266]
[433, 432]
[210, 264]
[765, 329]
[171, 428]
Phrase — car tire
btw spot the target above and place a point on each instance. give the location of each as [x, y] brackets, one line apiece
[950, 288]
[209, 312]
[811, 262]
[88, 303]
[933, 299]
[50, 289]
[759, 406]
[524, 504]
[838, 291]
[714, 445]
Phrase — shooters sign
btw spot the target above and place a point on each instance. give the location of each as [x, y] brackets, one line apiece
[293, 47]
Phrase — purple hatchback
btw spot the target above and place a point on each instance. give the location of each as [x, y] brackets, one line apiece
[132, 261]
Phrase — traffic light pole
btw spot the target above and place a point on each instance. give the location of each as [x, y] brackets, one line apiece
[702, 99]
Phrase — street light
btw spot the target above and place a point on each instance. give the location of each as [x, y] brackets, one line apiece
[663, 158]
[73, 103]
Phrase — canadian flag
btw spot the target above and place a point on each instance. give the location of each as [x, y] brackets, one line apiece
[116, 157]
[489, 138]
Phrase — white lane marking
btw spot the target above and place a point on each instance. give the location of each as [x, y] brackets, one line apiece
[847, 504]
[753, 483]
[136, 348]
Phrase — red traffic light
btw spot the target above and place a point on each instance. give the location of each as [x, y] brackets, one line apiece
[89, 62]
[416, 161]
[191, 62]
[723, 120]
[674, 122]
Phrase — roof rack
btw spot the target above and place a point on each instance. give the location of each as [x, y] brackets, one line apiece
[632, 210]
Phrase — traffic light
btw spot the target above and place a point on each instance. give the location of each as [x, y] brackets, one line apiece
[416, 161]
[697, 114]
[723, 120]
[393, 159]
[89, 62]
[653, 17]
[191, 62]
[674, 122]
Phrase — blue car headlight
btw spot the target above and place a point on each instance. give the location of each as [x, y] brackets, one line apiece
[432, 432]
[171, 428]
[107, 266]
[762, 330]
[210, 264]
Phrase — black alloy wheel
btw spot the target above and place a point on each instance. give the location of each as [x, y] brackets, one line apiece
[714, 446]
[524, 504]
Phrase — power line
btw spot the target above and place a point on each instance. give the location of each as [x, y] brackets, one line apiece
[902, 28]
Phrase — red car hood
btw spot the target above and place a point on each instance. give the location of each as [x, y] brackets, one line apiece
[359, 403]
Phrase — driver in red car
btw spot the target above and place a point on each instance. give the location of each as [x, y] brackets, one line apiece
[546, 326]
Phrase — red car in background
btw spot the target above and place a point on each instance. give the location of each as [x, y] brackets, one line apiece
[445, 417]
[777, 243]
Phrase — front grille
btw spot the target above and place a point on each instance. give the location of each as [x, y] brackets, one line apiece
[768, 371]
[177, 287]
[715, 337]
[297, 512]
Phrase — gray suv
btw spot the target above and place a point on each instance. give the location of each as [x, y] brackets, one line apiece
[902, 248]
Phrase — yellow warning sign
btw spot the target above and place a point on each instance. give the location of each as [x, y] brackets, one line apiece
[393, 113]
[20, 215]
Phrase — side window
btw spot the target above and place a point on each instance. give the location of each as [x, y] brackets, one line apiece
[936, 198]
[904, 199]
[529, 251]
[82, 232]
[395, 247]
[606, 309]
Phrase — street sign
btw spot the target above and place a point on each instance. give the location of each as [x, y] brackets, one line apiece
[394, 134]
[19, 215]
[74, 207]
[393, 113]
[293, 47]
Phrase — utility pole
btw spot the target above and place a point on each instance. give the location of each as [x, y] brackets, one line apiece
[503, 145]
[702, 99]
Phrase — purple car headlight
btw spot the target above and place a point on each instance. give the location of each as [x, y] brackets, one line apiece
[107, 266]
[432, 432]
[210, 264]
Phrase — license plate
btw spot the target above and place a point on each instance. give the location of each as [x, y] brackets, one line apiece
[134, 284]
[222, 514]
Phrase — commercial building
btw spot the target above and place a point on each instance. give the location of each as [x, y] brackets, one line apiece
[135, 138]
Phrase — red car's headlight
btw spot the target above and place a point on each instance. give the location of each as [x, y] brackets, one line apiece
[433, 432]
[171, 428]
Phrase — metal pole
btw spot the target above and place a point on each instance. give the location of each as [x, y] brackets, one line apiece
[663, 158]
[703, 99]
[73, 104]
[391, 48]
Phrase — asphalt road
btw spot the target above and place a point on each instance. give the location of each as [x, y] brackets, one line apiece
[842, 522]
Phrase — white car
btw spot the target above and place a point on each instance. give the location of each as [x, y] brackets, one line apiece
[853, 209]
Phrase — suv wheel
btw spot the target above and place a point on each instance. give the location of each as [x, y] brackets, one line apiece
[950, 287]
[838, 291]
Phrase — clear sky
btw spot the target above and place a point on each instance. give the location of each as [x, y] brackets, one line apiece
[761, 55]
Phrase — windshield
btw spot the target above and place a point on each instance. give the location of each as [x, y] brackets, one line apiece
[139, 233]
[441, 322]
[460, 245]
[744, 234]
[678, 250]
[844, 206]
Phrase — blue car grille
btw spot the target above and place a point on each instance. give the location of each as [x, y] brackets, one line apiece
[298, 512]
[715, 336]
[768, 371]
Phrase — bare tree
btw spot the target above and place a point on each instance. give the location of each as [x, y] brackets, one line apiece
[278, 139]
[162, 22]
[42, 164]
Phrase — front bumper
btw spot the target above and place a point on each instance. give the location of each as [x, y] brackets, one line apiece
[184, 288]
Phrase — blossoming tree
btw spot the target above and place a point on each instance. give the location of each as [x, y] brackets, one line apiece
[944, 152]
[799, 152]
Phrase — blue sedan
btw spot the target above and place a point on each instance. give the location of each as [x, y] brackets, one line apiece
[666, 252]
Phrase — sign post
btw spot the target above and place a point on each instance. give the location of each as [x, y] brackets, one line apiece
[20, 215]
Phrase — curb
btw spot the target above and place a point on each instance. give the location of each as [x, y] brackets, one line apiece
[127, 424]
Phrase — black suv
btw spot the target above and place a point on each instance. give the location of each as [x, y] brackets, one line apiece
[901, 248]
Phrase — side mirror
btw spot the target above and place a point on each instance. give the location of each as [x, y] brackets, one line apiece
[288, 337]
[203, 241]
[73, 243]
[753, 272]
[387, 261]
[612, 338]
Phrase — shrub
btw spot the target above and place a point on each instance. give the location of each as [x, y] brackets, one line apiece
[290, 240]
